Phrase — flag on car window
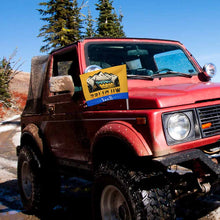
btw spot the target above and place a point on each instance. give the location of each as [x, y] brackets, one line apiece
[105, 85]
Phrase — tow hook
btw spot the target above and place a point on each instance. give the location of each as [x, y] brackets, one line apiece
[205, 187]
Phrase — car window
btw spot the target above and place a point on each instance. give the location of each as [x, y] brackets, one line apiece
[63, 67]
[174, 60]
[66, 63]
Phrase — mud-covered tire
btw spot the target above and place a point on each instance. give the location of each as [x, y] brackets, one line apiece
[34, 183]
[120, 193]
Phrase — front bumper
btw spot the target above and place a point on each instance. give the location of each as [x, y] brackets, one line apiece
[189, 155]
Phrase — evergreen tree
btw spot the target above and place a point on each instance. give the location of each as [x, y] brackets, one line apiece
[8, 70]
[89, 25]
[109, 25]
[5, 71]
[64, 23]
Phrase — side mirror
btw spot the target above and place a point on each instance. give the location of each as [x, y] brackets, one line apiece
[61, 84]
[209, 71]
[92, 68]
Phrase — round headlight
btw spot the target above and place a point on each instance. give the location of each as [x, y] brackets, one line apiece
[178, 126]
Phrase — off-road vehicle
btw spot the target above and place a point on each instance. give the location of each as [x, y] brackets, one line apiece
[140, 152]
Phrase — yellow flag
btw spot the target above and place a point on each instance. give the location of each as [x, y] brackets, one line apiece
[105, 85]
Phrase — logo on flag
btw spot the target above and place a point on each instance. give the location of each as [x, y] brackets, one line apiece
[105, 85]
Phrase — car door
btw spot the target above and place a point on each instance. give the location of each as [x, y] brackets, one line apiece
[65, 130]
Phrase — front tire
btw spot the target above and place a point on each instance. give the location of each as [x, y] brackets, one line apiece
[120, 194]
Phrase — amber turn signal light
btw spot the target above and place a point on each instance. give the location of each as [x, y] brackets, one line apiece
[207, 125]
[141, 121]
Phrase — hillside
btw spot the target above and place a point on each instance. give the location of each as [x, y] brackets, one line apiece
[19, 89]
[20, 83]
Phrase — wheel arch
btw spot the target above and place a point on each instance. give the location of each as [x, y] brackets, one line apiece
[115, 134]
[31, 136]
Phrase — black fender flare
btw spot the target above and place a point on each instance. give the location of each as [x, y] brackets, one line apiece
[125, 132]
[32, 133]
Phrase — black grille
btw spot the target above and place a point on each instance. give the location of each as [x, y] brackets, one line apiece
[209, 114]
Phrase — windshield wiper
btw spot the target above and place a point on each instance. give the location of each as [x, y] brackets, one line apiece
[175, 73]
[132, 76]
[159, 75]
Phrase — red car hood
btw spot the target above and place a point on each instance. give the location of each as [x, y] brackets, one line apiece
[142, 96]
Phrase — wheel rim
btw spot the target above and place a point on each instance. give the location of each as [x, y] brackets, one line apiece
[26, 180]
[114, 205]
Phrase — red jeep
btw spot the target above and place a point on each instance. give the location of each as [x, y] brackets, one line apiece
[140, 153]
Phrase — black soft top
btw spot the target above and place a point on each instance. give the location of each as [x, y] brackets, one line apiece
[37, 79]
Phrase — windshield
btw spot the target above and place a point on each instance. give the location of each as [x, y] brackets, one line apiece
[146, 59]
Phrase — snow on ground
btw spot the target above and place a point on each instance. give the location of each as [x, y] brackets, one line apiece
[7, 128]
[6, 176]
[10, 119]
[16, 137]
[6, 164]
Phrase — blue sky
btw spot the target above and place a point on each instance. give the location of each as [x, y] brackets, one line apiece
[195, 23]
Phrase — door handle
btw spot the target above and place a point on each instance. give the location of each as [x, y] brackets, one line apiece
[51, 109]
